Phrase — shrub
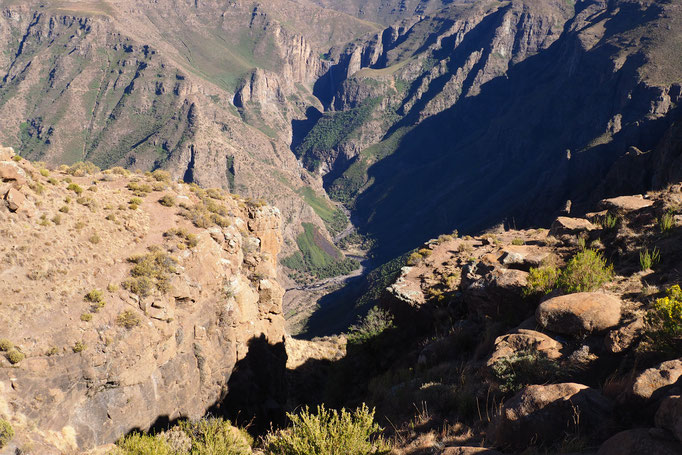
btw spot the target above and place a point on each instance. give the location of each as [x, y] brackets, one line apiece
[44, 172]
[666, 222]
[649, 259]
[523, 368]
[81, 168]
[414, 259]
[86, 317]
[94, 296]
[666, 317]
[139, 189]
[79, 346]
[167, 200]
[150, 270]
[216, 436]
[5, 344]
[6, 432]
[16, 158]
[15, 356]
[608, 221]
[328, 432]
[120, 171]
[75, 188]
[542, 280]
[161, 176]
[143, 444]
[518, 242]
[372, 325]
[64, 209]
[586, 271]
[135, 201]
[57, 219]
[128, 319]
[94, 238]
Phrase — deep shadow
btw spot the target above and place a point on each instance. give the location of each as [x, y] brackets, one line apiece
[300, 128]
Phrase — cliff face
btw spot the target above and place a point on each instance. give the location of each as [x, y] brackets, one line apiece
[126, 312]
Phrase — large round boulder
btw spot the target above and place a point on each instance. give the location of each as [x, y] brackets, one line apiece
[669, 415]
[579, 314]
[545, 413]
[638, 442]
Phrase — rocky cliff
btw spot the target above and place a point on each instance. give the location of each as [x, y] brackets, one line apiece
[127, 300]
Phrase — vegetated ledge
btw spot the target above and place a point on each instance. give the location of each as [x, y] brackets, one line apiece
[125, 298]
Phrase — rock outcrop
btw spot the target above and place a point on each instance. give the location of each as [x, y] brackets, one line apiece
[132, 299]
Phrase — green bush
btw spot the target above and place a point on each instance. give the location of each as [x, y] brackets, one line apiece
[542, 280]
[167, 200]
[14, 356]
[161, 176]
[666, 317]
[518, 242]
[649, 259]
[75, 188]
[94, 296]
[6, 432]
[79, 346]
[523, 368]
[143, 444]
[128, 319]
[585, 272]
[81, 168]
[150, 271]
[372, 325]
[328, 432]
[5, 344]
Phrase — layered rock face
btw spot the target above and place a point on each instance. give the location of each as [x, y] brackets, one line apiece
[127, 313]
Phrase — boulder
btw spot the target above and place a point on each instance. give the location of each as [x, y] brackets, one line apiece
[11, 172]
[545, 413]
[649, 381]
[523, 256]
[564, 225]
[524, 340]
[638, 442]
[579, 314]
[6, 153]
[492, 291]
[15, 199]
[627, 203]
[669, 415]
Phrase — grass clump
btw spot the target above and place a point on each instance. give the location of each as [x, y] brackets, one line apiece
[128, 319]
[139, 189]
[666, 222]
[5, 344]
[585, 272]
[94, 296]
[15, 356]
[86, 317]
[79, 346]
[523, 368]
[161, 176]
[372, 325]
[518, 242]
[328, 432]
[76, 188]
[414, 258]
[143, 444]
[81, 168]
[94, 239]
[6, 432]
[542, 280]
[649, 259]
[150, 271]
[167, 200]
[190, 240]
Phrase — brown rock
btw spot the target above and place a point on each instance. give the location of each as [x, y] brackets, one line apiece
[669, 415]
[493, 292]
[11, 172]
[577, 314]
[650, 380]
[564, 225]
[524, 340]
[14, 199]
[627, 203]
[6, 153]
[544, 413]
[620, 339]
[638, 442]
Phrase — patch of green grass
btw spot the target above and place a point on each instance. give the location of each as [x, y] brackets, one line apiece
[6, 432]
[524, 368]
[648, 259]
[334, 219]
[372, 325]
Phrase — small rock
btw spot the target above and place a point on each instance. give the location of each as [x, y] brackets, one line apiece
[620, 339]
[669, 415]
[650, 380]
[15, 199]
[638, 442]
[579, 314]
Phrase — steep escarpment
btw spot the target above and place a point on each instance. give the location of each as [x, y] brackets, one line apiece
[127, 300]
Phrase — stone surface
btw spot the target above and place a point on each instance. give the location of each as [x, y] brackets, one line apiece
[14, 199]
[620, 339]
[544, 413]
[581, 313]
[564, 225]
[669, 415]
[469, 451]
[653, 379]
[638, 442]
[509, 344]
[627, 203]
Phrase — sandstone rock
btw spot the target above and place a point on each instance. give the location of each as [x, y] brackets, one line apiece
[627, 203]
[524, 340]
[564, 225]
[11, 172]
[491, 292]
[14, 199]
[620, 339]
[525, 256]
[544, 413]
[650, 380]
[638, 442]
[469, 451]
[6, 153]
[669, 415]
[578, 314]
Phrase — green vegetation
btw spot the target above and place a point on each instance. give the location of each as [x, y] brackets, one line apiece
[334, 219]
[81, 168]
[328, 432]
[167, 200]
[585, 272]
[6, 432]
[190, 240]
[666, 222]
[86, 317]
[665, 319]
[317, 256]
[79, 346]
[331, 130]
[523, 368]
[75, 188]
[15, 356]
[94, 296]
[128, 319]
[518, 242]
[210, 436]
[5, 344]
[649, 259]
[372, 325]
[151, 271]
[161, 176]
